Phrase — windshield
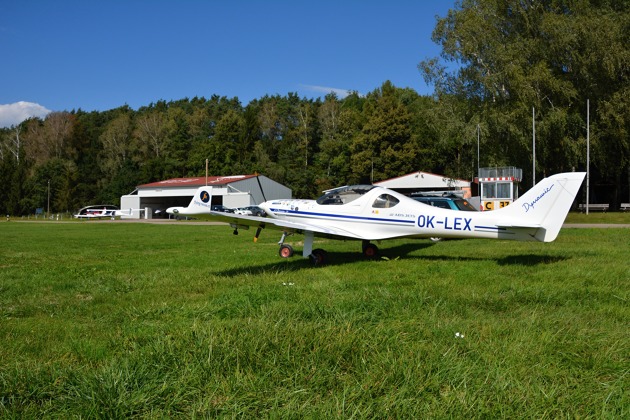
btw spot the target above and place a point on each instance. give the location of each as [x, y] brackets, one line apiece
[343, 195]
[464, 205]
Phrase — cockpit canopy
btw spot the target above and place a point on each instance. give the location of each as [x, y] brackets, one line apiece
[344, 195]
[349, 193]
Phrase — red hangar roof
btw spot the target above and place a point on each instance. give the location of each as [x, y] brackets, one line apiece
[196, 182]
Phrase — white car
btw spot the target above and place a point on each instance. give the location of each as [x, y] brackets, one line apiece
[242, 211]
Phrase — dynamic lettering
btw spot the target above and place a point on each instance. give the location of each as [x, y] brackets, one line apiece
[533, 203]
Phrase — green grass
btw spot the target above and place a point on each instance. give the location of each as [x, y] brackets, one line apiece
[599, 217]
[107, 320]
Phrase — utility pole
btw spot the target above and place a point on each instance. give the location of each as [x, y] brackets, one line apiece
[533, 146]
[588, 153]
[372, 173]
[48, 207]
[478, 164]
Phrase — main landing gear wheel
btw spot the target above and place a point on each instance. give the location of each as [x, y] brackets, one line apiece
[370, 251]
[318, 257]
[286, 251]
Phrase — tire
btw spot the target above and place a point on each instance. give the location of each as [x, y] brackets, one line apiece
[318, 257]
[370, 251]
[286, 251]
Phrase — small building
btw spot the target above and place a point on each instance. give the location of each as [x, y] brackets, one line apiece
[498, 186]
[426, 182]
[152, 200]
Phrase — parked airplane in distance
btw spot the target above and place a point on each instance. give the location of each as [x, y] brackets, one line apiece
[97, 212]
[370, 213]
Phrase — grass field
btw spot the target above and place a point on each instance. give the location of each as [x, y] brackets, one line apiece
[598, 217]
[111, 319]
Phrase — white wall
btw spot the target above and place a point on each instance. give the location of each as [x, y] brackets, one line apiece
[423, 180]
[130, 202]
[237, 200]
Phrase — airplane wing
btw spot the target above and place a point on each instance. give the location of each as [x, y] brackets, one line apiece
[243, 222]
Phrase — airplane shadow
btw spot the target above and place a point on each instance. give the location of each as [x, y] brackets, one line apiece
[530, 260]
[392, 253]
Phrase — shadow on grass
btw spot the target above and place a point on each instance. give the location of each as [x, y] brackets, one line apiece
[392, 253]
[333, 258]
[530, 259]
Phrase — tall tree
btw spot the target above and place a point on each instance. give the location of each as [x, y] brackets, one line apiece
[509, 56]
[117, 144]
[340, 124]
[152, 132]
[49, 139]
[306, 127]
[227, 148]
[385, 148]
[11, 142]
[59, 126]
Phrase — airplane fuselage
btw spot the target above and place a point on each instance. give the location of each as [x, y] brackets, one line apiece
[368, 220]
[96, 212]
[371, 213]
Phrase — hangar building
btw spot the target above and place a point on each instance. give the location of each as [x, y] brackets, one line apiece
[426, 182]
[151, 200]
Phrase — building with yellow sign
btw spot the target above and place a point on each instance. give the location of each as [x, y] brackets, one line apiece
[498, 187]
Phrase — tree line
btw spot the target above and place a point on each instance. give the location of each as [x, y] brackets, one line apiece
[501, 62]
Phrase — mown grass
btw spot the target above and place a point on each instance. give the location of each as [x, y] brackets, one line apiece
[599, 217]
[107, 320]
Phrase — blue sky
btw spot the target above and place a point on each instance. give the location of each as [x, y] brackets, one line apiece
[98, 55]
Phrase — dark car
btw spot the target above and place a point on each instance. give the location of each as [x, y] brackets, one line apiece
[451, 202]
[218, 207]
[256, 211]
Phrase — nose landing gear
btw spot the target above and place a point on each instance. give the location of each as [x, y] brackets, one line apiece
[286, 251]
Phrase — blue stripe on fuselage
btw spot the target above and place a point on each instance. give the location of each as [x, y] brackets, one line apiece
[339, 216]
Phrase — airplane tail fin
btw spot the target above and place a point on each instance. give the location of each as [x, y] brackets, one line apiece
[545, 206]
[200, 203]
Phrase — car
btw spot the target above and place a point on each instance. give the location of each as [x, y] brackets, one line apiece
[447, 201]
[256, 211]
[218, 207]
[242, 211]
[451, 201]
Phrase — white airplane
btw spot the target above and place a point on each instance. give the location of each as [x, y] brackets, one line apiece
[371, 213]
[104, 210]
[97, 211]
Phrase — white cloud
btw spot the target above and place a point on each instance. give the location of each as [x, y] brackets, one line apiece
[13, 114]
[341, 93]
